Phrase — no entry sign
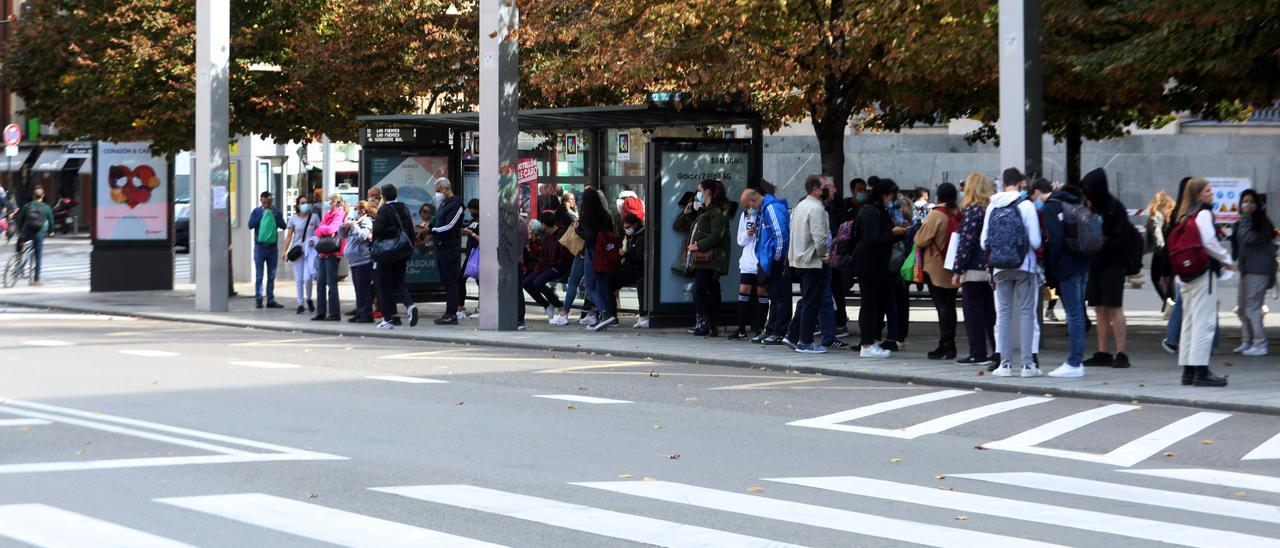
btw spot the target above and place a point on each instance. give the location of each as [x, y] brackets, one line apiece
[12, 135]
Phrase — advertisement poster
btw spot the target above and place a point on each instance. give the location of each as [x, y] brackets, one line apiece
[1226, 197]
[414, 178]
[231, 187]
[624, 147]
[132, 191]
[680, 172]
[527, 179]
[571, 148]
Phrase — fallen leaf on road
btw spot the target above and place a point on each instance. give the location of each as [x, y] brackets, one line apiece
[980, 448]
[653, 374]
[79, 452]
[155, 382]
[1142, 386]
[572, 407]
[1170, 454]
[625, 476]
[939, 477]
[691, 398]
[459, 403]
[962, 518]
[1228, 364]
[312, 495]
[24, 428]
[1106, 382]
[981, 373]
[657, 427]
[895, 460]
[946, 488]
[1206, 442]
[755, 489]
[583, 388]
[674, 456]
[647, 478]
[1239, 493]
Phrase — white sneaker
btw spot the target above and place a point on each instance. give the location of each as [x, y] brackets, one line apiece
[873, 351]
[1003, 371]
[1256, 351]
[559, 320]
[588, 320]
[384, 324]
[1244, 347]
[1031, 370]
[642, 322]
[461, 315]
[1067, 371]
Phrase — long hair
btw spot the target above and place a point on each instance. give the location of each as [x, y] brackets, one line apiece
[978, 189]
[593, 212]
[1161, 203]
[1263, 229]
[1190, 202]
[882, 187]
[718, 198]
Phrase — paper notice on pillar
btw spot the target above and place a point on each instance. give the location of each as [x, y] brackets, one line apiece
[219, 197]
[132, 190]
[527, 180]
[624, 146]
[571, 148]
[1226, 197]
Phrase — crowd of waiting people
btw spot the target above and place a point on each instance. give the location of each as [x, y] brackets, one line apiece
[1010, 257]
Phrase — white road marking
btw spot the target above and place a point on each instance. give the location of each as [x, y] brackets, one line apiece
[50, 527]
[149, 462]
[11, 316]
[150, 353]
[1128, 454]
[317, 522]
[23, 422]
[808, 514]
[410, 380]
[771, 384]
[47, 343]
[424, 355]
[1269, 449]
[1109, 523]
[1240, 480]
[128, 431]
[940, 424]
[1128, 493]
[266, 365]
[579, 399]
[581, 518]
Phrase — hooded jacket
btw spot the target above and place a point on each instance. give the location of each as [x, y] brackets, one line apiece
[1059, 261]
[1114, 252]
[1030, 223]
[774, 233]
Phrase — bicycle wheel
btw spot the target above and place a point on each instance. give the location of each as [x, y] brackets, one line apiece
[13, 271]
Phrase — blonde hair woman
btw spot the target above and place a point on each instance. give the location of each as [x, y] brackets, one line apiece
[971, 273]
[1159, 211]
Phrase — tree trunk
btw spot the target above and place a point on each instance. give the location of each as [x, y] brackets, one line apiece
[830, 132]
[1073, 153]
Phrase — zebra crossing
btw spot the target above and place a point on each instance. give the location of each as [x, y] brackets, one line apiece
[1075, 504]
[1032, 440]
[67, 263]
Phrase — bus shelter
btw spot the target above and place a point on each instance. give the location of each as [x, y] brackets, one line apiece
[659, 151]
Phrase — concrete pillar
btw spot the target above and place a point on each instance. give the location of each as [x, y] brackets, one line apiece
[1021, 114]
[330, 178]
[499, 148]
[212, 171]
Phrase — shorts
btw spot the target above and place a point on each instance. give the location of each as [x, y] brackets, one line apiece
[1106, 286]
[749, 279]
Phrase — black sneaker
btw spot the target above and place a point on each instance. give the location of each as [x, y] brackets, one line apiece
[257, 303]
[413, 316]
[995, 362]
[447, 320]
[301, 309]
[772, 340]
[891, 346]
[273, 304]
[973, 360]
[837, 344]
[351, 312]
[311, 305]
[1121, 361]
[1100, 358]
[738, 335]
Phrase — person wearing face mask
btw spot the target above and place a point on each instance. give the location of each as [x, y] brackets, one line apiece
[446, 232]
[751, 295]
[810, 248]
[706, 222]
[772, 232]
[301, 233]
[933, 240]
[631, 272]
[876, 236]
[471, 231]
[1253, 246]
[857, 194]
[1040, 192]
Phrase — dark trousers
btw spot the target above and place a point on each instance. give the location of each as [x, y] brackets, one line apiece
[327, 286]
[627, 278]
[449, 262]
[706, 295]
[979, 317]
[390, 286]
[779, 289]
[944, 301]
[520, 304]
[539, 287]
[362, 279]
[462, 279]
[841, 283]
[897, 309]
[813, 283]
[875, 288]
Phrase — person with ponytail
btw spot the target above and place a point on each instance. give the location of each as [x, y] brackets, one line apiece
[1253, 244]
[1199, 302]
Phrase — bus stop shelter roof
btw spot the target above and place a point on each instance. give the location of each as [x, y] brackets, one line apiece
[611, 117]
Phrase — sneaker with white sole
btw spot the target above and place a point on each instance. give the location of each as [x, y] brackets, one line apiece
[1067, 371]
[413, 316]
[602, 324]
[1168, 346]
[461, 315]
[588, 320]
[811, 348]
[1244, 347]
[1255, 351]
[1005, 370]
[384, 324]
[642, 322]
[1031, 371]
[550, 311]
[558, 320]
[873, 351]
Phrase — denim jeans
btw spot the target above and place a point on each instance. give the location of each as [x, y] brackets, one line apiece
[37, 251]
[576, 272]
[327, 287]
[1071, 293]
[810, 306]
[597, 285]
[266, 257]
[539, 287]
[827, 311]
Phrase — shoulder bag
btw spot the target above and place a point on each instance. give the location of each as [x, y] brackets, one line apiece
[295, 252]
[397, 248]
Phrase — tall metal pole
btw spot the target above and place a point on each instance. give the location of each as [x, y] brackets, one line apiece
[212, 172]
[330, 178]
[1021, 113]
[499, 148]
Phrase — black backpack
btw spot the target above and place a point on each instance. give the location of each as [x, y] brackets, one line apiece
[1134, 250]
[33, 220]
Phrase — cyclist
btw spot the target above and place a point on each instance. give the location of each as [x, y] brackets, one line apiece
[34, 220]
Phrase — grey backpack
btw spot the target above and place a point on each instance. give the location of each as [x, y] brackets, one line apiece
[1007, 243]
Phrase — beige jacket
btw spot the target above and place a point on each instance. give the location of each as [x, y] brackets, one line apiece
[810, 235]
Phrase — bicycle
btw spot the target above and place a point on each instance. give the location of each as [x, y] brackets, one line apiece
[21, 265]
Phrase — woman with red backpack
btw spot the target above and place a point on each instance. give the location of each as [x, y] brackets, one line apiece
[1196, 257]
[933, 239]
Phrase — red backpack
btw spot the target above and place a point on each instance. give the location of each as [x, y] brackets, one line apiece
[1187, 255]
[608, 252]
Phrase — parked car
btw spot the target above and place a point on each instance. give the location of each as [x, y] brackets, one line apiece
[182, 223]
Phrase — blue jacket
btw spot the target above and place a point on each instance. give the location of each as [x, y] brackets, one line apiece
[1059, 261]
[255, 219]
[774, 234]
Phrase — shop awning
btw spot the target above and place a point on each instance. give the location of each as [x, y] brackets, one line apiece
[625, 116]
[16, 160]
[50, 159]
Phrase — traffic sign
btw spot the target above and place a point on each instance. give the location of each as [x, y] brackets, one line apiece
[12, 135]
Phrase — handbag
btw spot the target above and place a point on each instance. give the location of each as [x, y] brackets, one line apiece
[913, 268]
[473, 265]
[295, 252]
[949, 262]
[327, 244]
[390, 250]
[573, 242]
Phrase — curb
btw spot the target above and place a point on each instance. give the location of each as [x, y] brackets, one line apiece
[906, 378]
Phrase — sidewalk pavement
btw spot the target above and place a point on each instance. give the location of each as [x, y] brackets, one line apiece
[1154, 377]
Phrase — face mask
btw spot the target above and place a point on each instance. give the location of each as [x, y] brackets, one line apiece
[630, 232]
[824, 195]
[439, 197]
[753, 212]
[960, 197]
[860, 197]
[305, 208]
[697, 200]
[1248, 208]
[536, 225]
[1022, 194]
[1039, 205]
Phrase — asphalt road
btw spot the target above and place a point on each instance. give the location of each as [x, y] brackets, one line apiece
[121, 432]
